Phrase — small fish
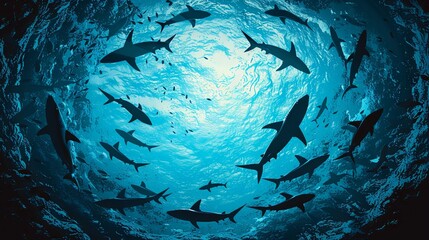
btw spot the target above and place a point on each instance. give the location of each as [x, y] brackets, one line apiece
[191, 130]
[148, 18]
[186, 96]
[157, 113]
[209, 99]
[164, 88]
[140, 22]
[171, 113]
[101, 72]
[174, 88]
[190, 101]
[174, 132]
[156, 14]
[140, 15]
[86, 82]
[156, 58]
[206, 58]
[80, 159]
[335, 112]
[162, 62]
[128, 97]
[362, 111]
[326, 125]
[134, 23]
[170, 64]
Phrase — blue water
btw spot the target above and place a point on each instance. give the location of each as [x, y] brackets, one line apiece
[246, 93]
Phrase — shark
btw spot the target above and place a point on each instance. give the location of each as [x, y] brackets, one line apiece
[121, 202]
[211, 185]
[322, 108]
[191, 15]
[128, 137]
[195, 215]
[336, 43]
[357, 57]
[363, 128]
[136, 112]
[358, 197]
[290, 202]
[284, 14]
[60, 138]
[305, 166]
[114, 152]
[131, 50]
[288, 58]
[286, 130]
[142, 189]
[334, 178]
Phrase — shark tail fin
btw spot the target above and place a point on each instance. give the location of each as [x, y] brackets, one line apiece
[167, 43]
[110, 98]
[348, 89]
[162, 24]
[150, 147]
[274, 180]
[262, 209]
[71, 177]
[315, 120]
[137, 165]
[347, 154]
[232, 214]
[159, 195]
[165, 196]
[252, 42]
[257, 167]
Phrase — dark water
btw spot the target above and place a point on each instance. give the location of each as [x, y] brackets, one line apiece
[207, 101]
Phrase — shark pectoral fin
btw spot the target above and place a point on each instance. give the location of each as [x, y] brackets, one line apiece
[43, 131]
[121, 210]
[283, 20]
[193, 22]
[132, 119]
[283, 66]
[190, 8]
[341, 40]
[310, 174]
[371, 130]
[71, 137]
[132, 62]
[195, 224]
[208, 189]
[301, 207]
[330, 46]
[276, 126]
[110, 155]
[300, 135]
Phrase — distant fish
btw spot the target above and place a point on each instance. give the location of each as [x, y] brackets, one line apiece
[80, 159]
[148, 18]
[322, 108]
[209, 99]
[334, 178]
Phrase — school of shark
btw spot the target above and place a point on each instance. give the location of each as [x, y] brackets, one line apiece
[214, 120]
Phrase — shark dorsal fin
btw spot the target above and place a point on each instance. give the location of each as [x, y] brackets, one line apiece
[196, 206]
[116, 145]
[190, 8]
[292, 48]
[355, 123]
[301, 160]
[129, 40]
[210, 182]
[159, 40]
[286, 195]
[276, 7]
[131, 132]
[71, 137]
[121, 194]
[275, 125]
[140, 106]
[142, 184]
